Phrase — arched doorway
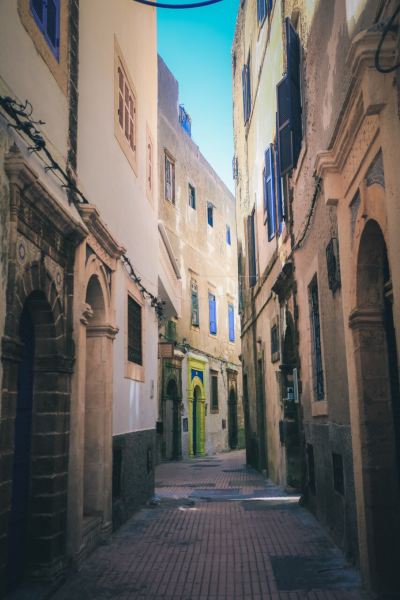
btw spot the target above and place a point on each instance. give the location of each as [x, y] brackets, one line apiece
[379, 403]
[291, 416]
[172, 422]
[232, 420]
[19, 515]
[40, 448]
[95, 403]
[196, 420]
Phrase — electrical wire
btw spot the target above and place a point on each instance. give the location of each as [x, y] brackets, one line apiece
[388, 27]
[177, 6]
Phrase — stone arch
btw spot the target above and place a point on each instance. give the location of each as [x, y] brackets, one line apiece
[97, 411]
[38, 374]
[377, 375]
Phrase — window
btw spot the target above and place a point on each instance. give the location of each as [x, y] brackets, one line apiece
[149, 165]
[246, 88]
[228, 235]
[192, 196]
[212, 309]
[214, 391]
[275, 343]
[289, 104]
[338, 475]
[231, 322]
[333, 265]
[210, 214]
[169, 179]
[269, 192]
[251, 243]
[170, 331]
[195, 303]
[47, 16]
[185, 120]
[125, 108]
[235, 168]
[134, 332]
[316, 340]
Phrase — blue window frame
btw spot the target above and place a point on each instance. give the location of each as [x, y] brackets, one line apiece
[231, 322]
[289, 104]
[269, 191]
[47, 16]
[212, 307]
[210, 214]
[246, 91]
[228, 235]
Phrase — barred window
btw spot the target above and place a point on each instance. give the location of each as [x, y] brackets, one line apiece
[134, 332]
[214, 391]
[316, 339]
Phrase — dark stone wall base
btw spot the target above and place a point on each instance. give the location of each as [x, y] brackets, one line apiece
[133, 477]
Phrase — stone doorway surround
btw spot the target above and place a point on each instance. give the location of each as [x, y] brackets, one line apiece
[42, 239]
[360, 177]
[90, 465]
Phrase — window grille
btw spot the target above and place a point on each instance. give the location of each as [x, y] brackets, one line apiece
[235, 168]
[333, 264]
[316, 340]
[169, 179]
[214, 391]
[195, 304]
[134, 332]
[192, 196]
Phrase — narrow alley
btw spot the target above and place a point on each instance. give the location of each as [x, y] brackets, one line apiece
[216, 530]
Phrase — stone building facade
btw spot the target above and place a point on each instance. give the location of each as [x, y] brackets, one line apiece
[200, 383]
[334, 271]
[78, 328]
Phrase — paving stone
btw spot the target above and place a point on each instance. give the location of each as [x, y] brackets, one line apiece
[225, 543]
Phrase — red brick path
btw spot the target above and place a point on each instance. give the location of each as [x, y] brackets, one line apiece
[211, 535]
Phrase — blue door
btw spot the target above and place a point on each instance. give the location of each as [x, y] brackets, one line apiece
[18, 523]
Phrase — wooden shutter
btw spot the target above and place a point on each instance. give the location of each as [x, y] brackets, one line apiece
[269, 191]
[246, 92]
[213, 313]
[281, 199]
[231, 322]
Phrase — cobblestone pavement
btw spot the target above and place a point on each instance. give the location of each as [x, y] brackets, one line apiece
[217, 531]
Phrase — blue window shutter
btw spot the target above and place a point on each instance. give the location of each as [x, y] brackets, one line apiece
[281, 200]
[261, 10]
[231, 319]
[269, 191]
[293, 64]
[284, 132]
[213, 313]
[228, 235]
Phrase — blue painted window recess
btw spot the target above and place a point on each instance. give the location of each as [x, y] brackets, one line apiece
[47, 16]
[231, 322]
[261, 10]
[212, 307]
[210, 214]
[185, 120]
[228, 235]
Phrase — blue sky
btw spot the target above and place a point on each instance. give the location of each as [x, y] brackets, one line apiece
[196, 46]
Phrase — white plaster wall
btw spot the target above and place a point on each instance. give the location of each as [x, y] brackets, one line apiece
[110, 183]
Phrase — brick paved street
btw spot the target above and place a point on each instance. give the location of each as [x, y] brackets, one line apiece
[217, 531]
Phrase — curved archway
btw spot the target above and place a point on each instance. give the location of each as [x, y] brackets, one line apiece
[379, 404]
[40, 443]
[232, 420]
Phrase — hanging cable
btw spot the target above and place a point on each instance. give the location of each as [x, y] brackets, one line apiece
[167, 5]
[388, 27]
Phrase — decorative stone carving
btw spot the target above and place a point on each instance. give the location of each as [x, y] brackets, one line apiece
[375, 173]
